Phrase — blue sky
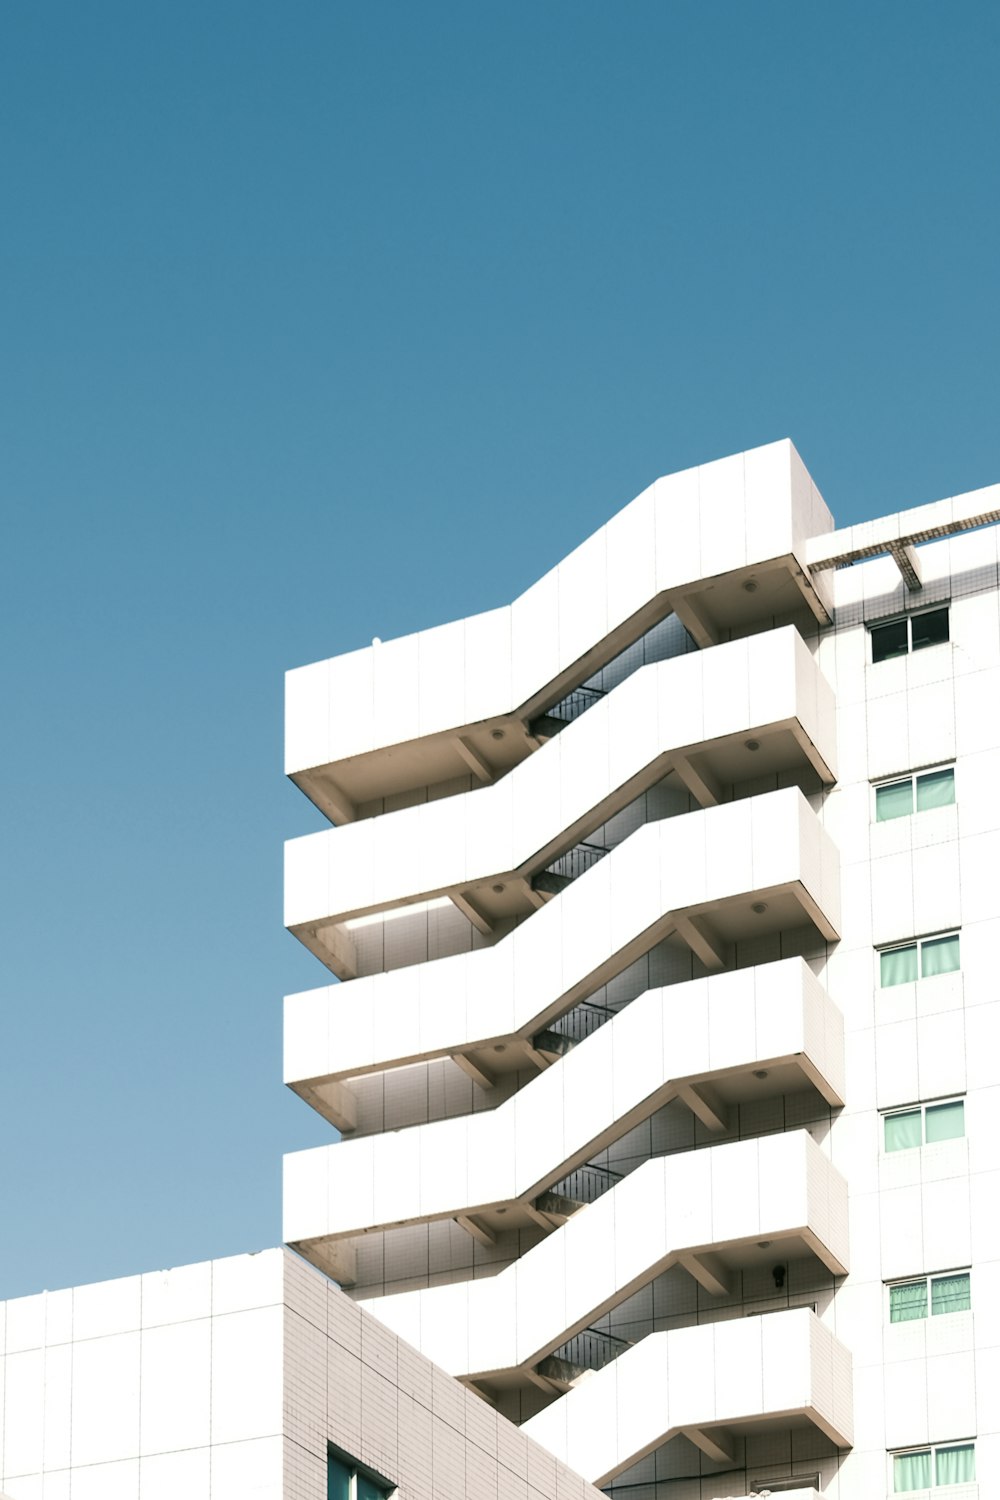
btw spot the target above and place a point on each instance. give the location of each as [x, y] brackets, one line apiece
[322, 321]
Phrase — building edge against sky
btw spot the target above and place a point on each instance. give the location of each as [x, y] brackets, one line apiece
[663, 1052]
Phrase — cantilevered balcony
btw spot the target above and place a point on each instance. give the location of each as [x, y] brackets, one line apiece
[706, 1042]
[713, 1383]
[705, 1210]
[722, 546]
[755, 707]
[734, 872]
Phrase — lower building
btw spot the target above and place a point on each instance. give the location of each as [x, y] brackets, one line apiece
[250, 1378]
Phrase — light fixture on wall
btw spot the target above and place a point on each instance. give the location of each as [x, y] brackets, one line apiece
[759, 908]
[752, 744]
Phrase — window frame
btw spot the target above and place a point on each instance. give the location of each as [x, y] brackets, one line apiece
[917, 943]
[926, 1280]
[921, 1108]
[358, 1471]
[931, 1449]
[912, 777]
[907, 619]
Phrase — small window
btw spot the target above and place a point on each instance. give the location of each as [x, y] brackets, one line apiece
[899, 637]
[926, 1124]
[924, 959]
[927, 1468]
[932, 1296]
[346, 1480]
[920, 792]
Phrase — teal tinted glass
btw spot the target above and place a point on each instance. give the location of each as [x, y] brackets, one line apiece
[338, 1480]
[893, 801]
[939, 956]
[935, 789]
[898, 966]
[369, 1490]
[955, 1465]
[951, 1294]
[945, 1122]
[902, 1132]
[911, 1471]
[906, 1303]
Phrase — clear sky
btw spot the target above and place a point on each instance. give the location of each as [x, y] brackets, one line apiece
[326, 320]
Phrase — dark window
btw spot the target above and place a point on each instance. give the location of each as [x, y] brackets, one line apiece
[889, 640]
[930, 629]
[899, 637]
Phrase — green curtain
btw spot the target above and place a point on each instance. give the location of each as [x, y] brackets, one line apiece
[939, 956]
[911, 1471]
[951, 1294]
[338, 1480]
[935, 789]
[956, 1465]
[894, 801]
[945, 1122]
[902, 1131]
[898, 965]
[907, 1303]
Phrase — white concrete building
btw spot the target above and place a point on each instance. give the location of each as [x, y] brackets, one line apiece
[665, 1049]
[250, 1378]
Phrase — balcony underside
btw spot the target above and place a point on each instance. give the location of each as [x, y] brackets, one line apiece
[712, 1383]
[775, 1021]
[484, 849]
[669, 1211]
[664, 882]
[717, 546]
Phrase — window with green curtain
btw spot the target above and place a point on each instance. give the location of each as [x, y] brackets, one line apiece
[338, 1479]
[898, 965]
[951, 1294]
[945, 1122]
[907, 1303]
[955, 1465]
[935, 789]
[902, 1131]
[939, 956]
[911, 1471]
[893, 801]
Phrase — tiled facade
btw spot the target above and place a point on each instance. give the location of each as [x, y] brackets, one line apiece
[663, 1055]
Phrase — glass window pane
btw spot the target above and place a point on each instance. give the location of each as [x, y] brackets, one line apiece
[889, 640]
[908, 1302]
[911, 1471]
[902, 1131]
[935, 789]
[338, 1480]
[939, 956]
[369, 1490]
[945, 1122]
[893, 801]
[930, 629]
[956, 1465]
[898, 966]
[951, 1294]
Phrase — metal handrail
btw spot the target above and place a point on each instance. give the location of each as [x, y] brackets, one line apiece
[575, 703]
[586, 1184]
